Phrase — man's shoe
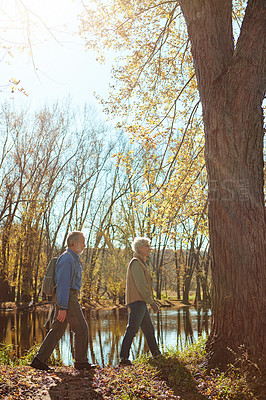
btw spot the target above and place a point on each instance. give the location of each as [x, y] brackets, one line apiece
[37, 364]
[86, 366]
[125, 362]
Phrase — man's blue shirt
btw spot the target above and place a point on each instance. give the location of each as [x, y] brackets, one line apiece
[64, 277]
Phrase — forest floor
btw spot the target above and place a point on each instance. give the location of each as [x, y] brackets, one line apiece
[66, 383]
[170, 377]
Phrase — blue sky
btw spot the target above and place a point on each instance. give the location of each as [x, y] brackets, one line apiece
[58, 65]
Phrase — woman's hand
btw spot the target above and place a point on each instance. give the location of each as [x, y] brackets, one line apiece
[155, 307]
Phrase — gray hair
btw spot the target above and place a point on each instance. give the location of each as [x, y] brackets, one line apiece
[139, 242]
[74, 237]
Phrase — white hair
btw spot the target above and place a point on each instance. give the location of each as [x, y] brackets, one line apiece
[139, 242]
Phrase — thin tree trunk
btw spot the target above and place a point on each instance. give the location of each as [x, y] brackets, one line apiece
[177, 268]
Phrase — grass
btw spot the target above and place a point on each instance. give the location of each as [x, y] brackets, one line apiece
[184, 371]
[8, 356]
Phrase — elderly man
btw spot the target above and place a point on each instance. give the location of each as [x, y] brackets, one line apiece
[68, 310]
[138, 294]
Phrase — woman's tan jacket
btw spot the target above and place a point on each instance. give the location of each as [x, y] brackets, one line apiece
[138, 283]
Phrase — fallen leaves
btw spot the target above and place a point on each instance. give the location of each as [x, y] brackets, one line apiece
[136, 382]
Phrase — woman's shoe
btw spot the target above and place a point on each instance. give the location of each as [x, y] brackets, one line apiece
[86, 366]
[125, 362]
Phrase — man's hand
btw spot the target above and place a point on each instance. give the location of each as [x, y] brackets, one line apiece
[155, 307]
[61, 315]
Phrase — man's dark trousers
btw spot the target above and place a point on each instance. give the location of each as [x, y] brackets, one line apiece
[76, 320]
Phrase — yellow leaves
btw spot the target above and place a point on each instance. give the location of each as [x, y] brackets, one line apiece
[15, 86]
[156, 99]
[101, 59]
[238, 9]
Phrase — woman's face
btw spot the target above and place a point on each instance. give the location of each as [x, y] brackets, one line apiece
[145, 250]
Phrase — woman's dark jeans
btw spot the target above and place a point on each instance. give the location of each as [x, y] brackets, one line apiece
[139, 316]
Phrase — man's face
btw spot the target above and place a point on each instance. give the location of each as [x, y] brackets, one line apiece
[79, 245]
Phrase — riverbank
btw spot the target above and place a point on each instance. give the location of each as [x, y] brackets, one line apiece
[175, 376]
[96, 305]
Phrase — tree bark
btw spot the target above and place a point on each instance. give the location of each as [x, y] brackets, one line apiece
[231, 83]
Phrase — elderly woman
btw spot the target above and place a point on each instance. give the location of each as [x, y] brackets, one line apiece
[138, 294]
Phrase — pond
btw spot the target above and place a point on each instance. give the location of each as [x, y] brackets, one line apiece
[174, 327]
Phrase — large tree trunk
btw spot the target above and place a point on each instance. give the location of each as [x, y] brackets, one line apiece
[231, 84]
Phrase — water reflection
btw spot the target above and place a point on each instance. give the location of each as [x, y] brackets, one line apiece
[173, 327]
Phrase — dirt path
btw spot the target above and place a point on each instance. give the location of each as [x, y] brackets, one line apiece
[66, 383]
